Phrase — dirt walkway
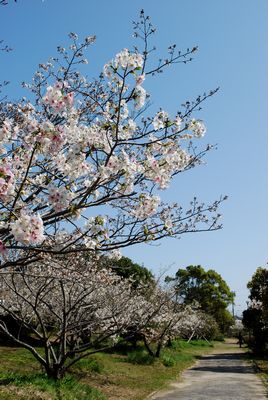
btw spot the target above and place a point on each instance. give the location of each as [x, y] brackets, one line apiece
[223, 375]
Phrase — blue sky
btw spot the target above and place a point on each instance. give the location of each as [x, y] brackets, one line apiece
[233, 54]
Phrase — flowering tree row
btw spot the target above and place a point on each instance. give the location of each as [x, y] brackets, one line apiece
[82, 164]
[74, 309]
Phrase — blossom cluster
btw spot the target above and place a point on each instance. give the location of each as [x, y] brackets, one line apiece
[28, 229]
[58, 99]
[161, 170]
[59, 197]
[146, 206]
[124, 59]
[198, 127]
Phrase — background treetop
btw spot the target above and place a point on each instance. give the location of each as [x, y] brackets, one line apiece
[208, 289]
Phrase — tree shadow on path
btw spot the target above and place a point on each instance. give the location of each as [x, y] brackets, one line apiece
[224, 363]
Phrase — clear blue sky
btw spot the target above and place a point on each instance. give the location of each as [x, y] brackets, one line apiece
[232, 38]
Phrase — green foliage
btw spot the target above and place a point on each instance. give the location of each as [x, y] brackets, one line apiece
[208, 289]
[252, 318]
[219, 337]
[258, 287]
[224, 320]
[255, 318]
[140, 357]
[168, 360]
[126, 268]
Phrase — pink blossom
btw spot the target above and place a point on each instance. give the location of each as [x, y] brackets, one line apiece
[59, 197]
[57, 100]
[28, 229]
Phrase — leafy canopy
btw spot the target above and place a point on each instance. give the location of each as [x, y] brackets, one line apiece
[207, 288]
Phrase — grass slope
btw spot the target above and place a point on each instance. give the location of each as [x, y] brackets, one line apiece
[126, 375]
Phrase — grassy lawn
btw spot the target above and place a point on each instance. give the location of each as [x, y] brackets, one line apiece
[127, 374]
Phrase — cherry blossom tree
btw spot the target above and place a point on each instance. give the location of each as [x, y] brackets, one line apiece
[168, 320]
[71, 308]
[83, 164]
[196, 324]
[164, 319]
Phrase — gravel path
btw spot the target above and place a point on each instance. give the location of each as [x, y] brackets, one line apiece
[222, 375]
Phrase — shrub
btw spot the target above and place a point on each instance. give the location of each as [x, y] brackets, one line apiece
[140, 357]
[168, 360]
[219, 337]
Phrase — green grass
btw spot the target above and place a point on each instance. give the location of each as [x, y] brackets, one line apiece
[183, 344]
[134, 381]
[38, 386]
[90, 364]
[105, 376]
[20, 380]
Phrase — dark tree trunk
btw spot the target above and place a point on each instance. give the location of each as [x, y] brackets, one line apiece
[158, 350]
[148, 348]
[169, 343]
[55, 372]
